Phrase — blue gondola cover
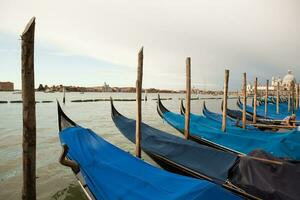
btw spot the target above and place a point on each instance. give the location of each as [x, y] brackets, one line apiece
[111, 173]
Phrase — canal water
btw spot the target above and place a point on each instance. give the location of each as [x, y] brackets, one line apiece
[55, 181]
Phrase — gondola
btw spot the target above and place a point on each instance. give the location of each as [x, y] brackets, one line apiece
[240, 174]
[271, 100]
[231, 121]
[271, 123]
[285, 145]
[271, 115]
[235, 119]
[262, 100]
[283, 107]
[106, 172]
[217, 118]
[248, 109]
[237, 114]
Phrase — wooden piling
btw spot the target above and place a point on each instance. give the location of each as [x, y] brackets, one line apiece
[293, 97]
[277, 98]
[297, 96]
[266, 99]
[139, 103]
[289, 99]
[188, 98]
[244, 99]
[225, 97]
[255, 101]
[29, 115]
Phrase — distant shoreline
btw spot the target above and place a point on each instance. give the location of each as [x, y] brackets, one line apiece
[149, 91]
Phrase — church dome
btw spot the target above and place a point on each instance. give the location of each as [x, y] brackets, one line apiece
[287, 79]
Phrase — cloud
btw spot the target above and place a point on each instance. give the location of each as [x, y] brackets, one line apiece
[8, 50]
[253, 36]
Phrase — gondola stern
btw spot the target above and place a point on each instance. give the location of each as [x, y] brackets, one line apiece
[114, 111]
[161, 109]
[59, 115]
[204, 108]
[182, 108]
[222, 105]
[63, 120]
[239, 103]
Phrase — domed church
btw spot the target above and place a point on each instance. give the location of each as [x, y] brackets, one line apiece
[288, 79]
[284, 83]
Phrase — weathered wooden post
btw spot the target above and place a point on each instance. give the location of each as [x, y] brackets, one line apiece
[225, 96]
[266, 99]
[244, 99]
[188, 98]
[255, 101]
[139, 103]
[293, 97]
[277, 98]
[297, 96]
[29, 118]
[64, 98]
[289, 99]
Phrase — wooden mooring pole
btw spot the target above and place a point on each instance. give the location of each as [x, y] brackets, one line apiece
[29, 115]
[289, 99]
[277, 98]
[225, 97]
[297, 96]
[188, 98]
[266, 99]
[139, 104]
[255, 101]
[244, 99]
[293, 97]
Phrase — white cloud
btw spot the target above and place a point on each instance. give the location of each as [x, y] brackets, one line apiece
[258, 37]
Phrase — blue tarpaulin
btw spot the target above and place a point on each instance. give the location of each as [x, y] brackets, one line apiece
[271, 114]
[111, 173]
[286, 145]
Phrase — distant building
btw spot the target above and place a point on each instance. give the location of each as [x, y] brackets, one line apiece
[6, 86]
[288, 79]
[284, 83]
[106, 88]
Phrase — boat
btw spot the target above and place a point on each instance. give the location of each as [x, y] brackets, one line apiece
[235, 117]
[271, 115]
[237, 114]
[271, 124]
[283, 108]
[232, 122]
[106, 172]
[261, 100]
[285, 145]
[216, 118]
[249, 176]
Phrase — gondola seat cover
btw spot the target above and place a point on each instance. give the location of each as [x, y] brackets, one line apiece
[200, 158]
[111, 173]
[269, 181]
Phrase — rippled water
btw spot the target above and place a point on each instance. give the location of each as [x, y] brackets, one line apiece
[55, 181]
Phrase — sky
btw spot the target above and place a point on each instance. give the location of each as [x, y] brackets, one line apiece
[87, 43]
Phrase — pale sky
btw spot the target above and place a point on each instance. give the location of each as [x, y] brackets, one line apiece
[89, 42]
